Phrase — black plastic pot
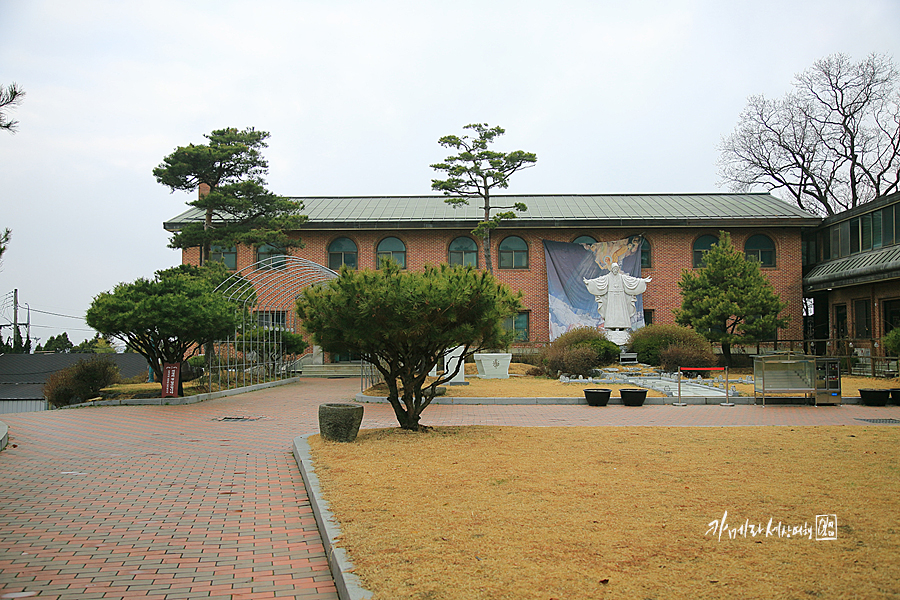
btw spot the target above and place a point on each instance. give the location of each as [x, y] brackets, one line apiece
[874, 397]
[339, 422]
[597, 396]
[895, 395]
[633, 396]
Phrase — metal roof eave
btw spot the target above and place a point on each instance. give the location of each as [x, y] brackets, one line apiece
[520, 223]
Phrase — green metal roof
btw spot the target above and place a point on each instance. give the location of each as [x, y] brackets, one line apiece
[865, 267]
[551, 210]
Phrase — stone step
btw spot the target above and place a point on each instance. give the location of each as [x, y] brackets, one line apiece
[332, 370]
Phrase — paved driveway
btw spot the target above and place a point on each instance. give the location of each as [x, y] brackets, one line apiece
[190, 502]
[164, 501]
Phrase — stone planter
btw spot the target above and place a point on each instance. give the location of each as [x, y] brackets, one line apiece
[597, 396]
[493, 365]
[633, 396]
[874, 397]
[339, 422]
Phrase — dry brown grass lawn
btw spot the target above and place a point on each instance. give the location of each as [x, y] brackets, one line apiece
[522, 386]
[464, 513]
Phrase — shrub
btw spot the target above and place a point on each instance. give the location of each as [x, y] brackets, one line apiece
[649, 342]
[576, 336]
[552, 358]
[607, 351]
[891, 343]
[687, 356]
[579, 360]
[80, 382]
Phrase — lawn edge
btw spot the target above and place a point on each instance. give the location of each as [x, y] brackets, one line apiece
[347, 583]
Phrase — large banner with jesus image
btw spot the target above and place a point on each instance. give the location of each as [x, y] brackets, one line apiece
[568, 265]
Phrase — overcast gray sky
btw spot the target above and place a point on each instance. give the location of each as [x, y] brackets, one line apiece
[612, 96]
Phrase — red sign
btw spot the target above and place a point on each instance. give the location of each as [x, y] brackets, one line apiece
[171, 373]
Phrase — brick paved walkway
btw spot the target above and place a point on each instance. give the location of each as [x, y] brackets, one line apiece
[164, 501]
[174, 502]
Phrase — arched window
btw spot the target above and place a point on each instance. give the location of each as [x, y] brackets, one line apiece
[342, 251]
[702, 246]
[391, 248]
[646, 254]
[513, 253]
[270, 257]
[463, 251]
[760, 247]
[584, 239]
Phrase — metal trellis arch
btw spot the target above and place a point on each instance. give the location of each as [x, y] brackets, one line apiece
[266, 292]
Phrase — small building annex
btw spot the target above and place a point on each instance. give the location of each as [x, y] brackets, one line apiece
[675, 229]
[852, 275]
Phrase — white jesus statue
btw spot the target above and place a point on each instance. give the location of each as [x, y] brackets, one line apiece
[616, 294]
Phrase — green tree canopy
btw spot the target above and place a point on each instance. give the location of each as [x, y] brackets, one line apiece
[404, 322]
[95, 345]
[4, 242]
[10, 97]
[475, 171]
[165, 318]
[238, 208]
[728, 300]
[16, 344]
[58, 343]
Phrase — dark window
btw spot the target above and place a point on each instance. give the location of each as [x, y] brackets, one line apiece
[761, 248]
[646, 254]
[701, 247]
[464, 251]
[862, 315]
[840, 320]
[845, 238]
[584, 239]
[513, 253]
[342, 251]
[835, 242]
[391, 249]
[887, 226]
[865, 225]
[891, 310]
[854, 236]
[225, 255]
[877, 230]
[270, 319]
[648, 316]
[270, 257]
[519, 324]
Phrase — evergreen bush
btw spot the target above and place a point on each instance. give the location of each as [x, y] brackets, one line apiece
[649, 342]
[80, 382]
[891, 343]
[686, 356]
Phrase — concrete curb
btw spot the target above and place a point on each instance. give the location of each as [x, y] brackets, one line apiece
[4, 435]
[185, 400]
[347, 583]
[691, 400]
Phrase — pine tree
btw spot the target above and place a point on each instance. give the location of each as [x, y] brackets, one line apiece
[729, 300]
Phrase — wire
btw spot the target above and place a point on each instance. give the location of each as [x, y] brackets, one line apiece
[44, 312]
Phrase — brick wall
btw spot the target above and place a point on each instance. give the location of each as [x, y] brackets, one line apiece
[672, 252]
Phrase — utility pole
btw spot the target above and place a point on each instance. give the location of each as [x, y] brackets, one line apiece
[15, 312]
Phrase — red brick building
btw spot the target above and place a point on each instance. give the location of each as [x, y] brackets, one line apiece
[676, 228]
